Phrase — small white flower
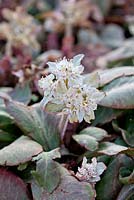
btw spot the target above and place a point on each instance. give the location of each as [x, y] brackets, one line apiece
[69, 70]
[47, 82]
[90, 172]
[48, 87]
[81, 102]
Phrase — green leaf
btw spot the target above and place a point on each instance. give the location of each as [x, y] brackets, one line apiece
[126, 129]
[109, 186]
[92, 79]
[108, 75]
[115, 33]
[86, 141]
[126, 175]
[47, 174]
[5, 118]
[128, 137]
[104, 5]
[119, 93]
[117, 56]
[89, 137]
[104, 115]
[126, 193]
[20, 151]
[22, 93]
[98, 133]
[6, 137]
[34, 122]
[52, 107]
[12, 187]
[22, 167]
[2, 91]
[110, 149]
[50, 129]
[68, 189]
[129, 129]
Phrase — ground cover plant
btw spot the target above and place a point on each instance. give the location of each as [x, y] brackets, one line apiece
[66, 100]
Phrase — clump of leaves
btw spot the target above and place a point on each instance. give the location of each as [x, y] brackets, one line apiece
[34, 141]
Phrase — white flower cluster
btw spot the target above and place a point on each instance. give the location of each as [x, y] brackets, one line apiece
[20, 28]
[90, 172]
[65, 86]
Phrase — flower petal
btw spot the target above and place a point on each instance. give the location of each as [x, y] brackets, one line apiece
[77, 59]
[100, 168]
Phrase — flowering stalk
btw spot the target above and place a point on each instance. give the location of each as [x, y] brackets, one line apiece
[90, 172]
[8, 48]
[64, 120]
[67, 8]
[65, 90]
[20, 30]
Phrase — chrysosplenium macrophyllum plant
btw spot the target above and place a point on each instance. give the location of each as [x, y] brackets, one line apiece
[20, 29]
[65, 88]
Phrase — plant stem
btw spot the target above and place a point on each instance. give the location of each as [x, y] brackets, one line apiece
[63, 125]
[9, 49]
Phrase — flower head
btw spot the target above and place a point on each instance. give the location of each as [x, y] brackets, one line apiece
[20, 28]
[66, 87]
[67, 69]
[47, 85]
[76, 12]
[81, 101]
[90, 172]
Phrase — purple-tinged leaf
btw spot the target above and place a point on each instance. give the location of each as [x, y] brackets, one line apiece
[109, 148]
[119, 93]
[108, 75]
[47, 174]
[68, 189]
[126, 193]
[21, 93]
[20, 151]
[12, 187]
[36, 123]
[88, 142]
[98, 133]
[109, 186]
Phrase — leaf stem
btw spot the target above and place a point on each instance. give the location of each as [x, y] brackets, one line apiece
[64, 119]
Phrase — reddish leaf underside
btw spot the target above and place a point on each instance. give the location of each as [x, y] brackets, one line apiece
[12, 187]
